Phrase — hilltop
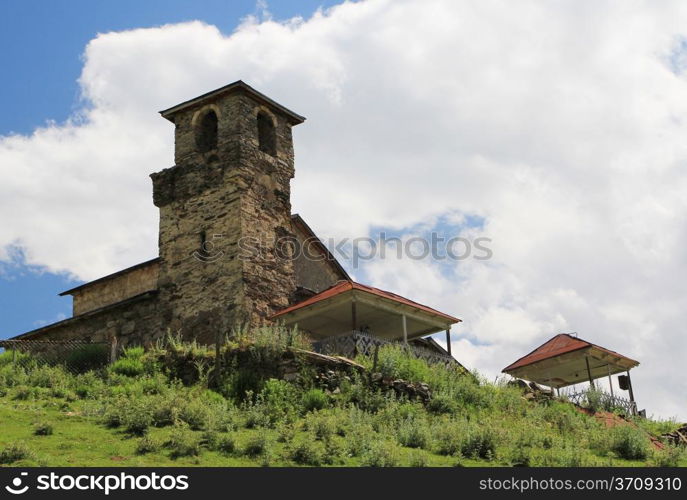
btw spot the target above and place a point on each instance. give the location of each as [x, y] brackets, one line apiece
[274, 403]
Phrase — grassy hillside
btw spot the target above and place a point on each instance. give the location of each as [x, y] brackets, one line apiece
[166, 407]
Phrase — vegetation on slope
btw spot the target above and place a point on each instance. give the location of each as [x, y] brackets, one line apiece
[165, 406]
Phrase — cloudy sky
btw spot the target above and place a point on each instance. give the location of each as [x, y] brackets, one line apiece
[556, 129]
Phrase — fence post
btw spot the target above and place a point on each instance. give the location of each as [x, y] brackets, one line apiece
[113, 349]
[375, 358]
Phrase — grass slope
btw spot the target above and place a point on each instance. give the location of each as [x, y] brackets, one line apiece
[137, 412]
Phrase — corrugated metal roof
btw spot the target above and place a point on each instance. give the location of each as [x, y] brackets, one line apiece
[560, 344]
[346, 286]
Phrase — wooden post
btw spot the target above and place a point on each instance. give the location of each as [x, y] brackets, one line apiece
[354, 319]
[113, 349]
[589, 373]
[448, 340]
[629, 386]
[610, 380]
[405, 329]
[375, 358]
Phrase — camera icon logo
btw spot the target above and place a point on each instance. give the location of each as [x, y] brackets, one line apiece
[16, 487]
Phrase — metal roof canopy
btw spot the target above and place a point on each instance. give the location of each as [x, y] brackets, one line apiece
[566, 360]
[350, 306]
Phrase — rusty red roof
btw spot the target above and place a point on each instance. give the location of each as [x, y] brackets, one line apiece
[346, 286]
[560, 344]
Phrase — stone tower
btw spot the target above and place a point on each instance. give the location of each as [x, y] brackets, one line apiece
[225, 213]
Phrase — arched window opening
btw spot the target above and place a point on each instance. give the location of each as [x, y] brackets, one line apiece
[206, 132]
[267, 135]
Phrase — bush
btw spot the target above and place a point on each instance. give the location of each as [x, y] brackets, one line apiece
[307, 451]
[14, 452]
[314, 399]
[321, 424]
[226, 445]
[449, 439]
[196, 414]
[442, 403]
[183, 443]
[630, 443]
[43, 429]
[381, 454]
[413, 434]
[418, 459]
[147, 444]
[479, 443]
[128, 367]
[256, 445]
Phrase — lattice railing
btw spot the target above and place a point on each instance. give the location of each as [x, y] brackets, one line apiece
[602, 400]
[355, 343]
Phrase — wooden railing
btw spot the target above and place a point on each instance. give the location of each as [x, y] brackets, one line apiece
[356, 343]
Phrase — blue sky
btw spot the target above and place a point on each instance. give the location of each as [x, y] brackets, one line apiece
[43, 42]
[556, 129]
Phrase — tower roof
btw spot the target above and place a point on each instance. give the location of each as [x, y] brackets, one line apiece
[237, 86]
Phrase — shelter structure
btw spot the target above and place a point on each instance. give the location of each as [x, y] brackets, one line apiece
[566, 360]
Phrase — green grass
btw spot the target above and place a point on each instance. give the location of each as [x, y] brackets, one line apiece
[149, 417]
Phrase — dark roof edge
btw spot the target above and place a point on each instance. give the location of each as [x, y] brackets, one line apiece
[110, 276]
[136, 298]
[330, 256]
[238, 84]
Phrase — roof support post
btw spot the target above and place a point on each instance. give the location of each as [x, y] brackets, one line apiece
[448, 340]
[354, 318]
[405, 328]
[629, 386]
[589, 373]
[610, 380]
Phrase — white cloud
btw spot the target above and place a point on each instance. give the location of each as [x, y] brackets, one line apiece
[562, 125]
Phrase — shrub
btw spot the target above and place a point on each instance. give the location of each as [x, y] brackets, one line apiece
[128, 367]
[147, 444]
[307, 451]
[359, 440]
[256, 445]
[43, 429]
[321, 425]
[196, 414]
[14, 452]
[381, 454]
[413, 434]
[314, 399]
[226, 445]
[418, 459]
[183, 443]
[668, 457]
[479, 443]
[449, 439]
[442, 403]
[278, 400]
[630, 443]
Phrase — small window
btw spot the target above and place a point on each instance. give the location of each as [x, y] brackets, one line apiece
[206, 132]
[267, 135]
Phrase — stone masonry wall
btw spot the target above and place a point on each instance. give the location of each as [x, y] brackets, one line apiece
[133, 322]
[311, 273]
[232, 195]
[116, 289]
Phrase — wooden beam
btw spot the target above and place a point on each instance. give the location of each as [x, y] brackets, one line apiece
[405, 328]
[610, 380]
[629, 386]
[448, 341]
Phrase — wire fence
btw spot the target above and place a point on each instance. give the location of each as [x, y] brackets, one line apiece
[77, 356]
